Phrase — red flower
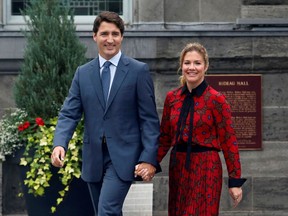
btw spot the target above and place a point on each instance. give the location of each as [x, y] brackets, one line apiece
[203, 132]
[24, 126]
[39, 121]
[208, 117]
[196, 117]
[200, 104]
[218, 116]
[226, 110]
[20, 127]
[222, 134]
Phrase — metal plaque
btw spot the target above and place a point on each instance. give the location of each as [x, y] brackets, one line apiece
[243, 92]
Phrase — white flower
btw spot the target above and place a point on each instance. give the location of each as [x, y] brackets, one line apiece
[9, 134]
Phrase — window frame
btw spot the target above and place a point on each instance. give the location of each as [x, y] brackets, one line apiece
[83, 23]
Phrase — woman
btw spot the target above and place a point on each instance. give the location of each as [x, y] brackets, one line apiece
[197, 123]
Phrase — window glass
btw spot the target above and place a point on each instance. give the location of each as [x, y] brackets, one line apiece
[17, 5]
[81, 7]
[84, 11]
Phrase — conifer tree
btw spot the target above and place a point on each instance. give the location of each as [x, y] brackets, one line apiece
[51, 56]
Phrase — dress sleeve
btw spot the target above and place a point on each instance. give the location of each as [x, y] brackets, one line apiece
[165, 128]
[228, 141]
[234, 182]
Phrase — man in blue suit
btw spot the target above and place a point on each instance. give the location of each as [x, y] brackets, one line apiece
[120, 130]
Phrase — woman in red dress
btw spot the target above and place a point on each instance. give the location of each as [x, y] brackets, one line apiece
[196, 124]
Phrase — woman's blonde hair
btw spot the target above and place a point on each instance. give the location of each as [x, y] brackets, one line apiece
[189, 48]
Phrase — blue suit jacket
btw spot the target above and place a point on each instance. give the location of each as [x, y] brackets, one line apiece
[130, 119]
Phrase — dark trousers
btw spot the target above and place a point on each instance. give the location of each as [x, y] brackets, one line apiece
[109, 194]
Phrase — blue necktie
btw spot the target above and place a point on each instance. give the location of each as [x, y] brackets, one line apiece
[106, 79]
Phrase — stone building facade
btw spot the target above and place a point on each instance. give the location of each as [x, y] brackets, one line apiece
[241, 37]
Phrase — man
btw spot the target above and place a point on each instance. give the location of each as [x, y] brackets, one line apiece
[120, 132]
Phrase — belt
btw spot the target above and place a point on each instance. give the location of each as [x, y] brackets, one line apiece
[182, 147]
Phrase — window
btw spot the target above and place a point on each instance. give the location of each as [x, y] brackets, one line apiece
[84, 11]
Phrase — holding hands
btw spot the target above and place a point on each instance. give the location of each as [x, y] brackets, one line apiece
[145, 170]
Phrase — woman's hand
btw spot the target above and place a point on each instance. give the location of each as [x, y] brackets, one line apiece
[236, 195]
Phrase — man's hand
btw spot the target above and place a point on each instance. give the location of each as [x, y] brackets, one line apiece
[57, 156]
[145, 170]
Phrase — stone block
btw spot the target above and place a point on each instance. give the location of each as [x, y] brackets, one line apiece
[265, 2]
[220, 10]
[182, 11]
[6, 91]
[275, 127]
[270, 193]
[140, 47]
[271, 161]
[149, 11]
[270, 47]
[264, 11]
[164, 83]
[263, 65]
[229, 47]
[160, 213]
[237, 65]
[274, 91]
[139, 200]
[160, 194]
[13, 46]
[171, 47]
[10, 66]
[221, 47]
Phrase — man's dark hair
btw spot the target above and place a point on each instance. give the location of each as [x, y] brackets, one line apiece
[110, 17]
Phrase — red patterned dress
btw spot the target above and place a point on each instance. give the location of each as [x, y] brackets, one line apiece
[196, 126]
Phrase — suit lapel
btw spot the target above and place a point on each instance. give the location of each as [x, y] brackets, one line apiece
[121, 72]
[96, 80]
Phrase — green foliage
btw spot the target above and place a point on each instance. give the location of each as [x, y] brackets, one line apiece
[17, 129]
[37, 157]
[52, 54]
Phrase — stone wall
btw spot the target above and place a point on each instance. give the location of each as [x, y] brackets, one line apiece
[233, 48]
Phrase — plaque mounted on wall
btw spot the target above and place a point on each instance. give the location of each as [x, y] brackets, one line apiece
[243, 92]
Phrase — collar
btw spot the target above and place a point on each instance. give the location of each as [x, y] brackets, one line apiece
[114, 60]
[196, 91]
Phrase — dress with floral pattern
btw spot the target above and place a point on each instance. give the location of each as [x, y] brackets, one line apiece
[196, 191]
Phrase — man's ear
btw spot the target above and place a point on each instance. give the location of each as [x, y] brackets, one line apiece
[94, 36]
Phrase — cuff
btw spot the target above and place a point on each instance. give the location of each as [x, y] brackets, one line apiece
[236, 182]
[158, 168]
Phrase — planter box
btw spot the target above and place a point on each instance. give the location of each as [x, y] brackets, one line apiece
[77, 202]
